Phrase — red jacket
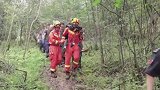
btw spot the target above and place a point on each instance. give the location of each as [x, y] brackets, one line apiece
[54, 38]
[73, 37]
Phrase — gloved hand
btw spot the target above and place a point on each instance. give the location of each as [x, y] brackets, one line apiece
[72, 44]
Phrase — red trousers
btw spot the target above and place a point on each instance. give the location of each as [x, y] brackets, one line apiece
[72, 51]
[55, 56]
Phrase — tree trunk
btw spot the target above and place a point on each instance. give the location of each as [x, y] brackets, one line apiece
[100, 39]
[95, 26]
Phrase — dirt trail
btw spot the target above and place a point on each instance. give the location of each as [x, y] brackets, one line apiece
[60, 83]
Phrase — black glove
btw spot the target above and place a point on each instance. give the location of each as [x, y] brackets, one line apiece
[72, 44]
[70, 26]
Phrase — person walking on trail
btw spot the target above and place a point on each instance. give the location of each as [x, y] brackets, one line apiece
[45, 37]
[55, 52]
[153, 70]
[40, 41]
[72, 48]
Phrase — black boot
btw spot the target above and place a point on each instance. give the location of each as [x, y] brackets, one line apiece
[53, 74]
[68, 75]
[79, 71]
[74, 73]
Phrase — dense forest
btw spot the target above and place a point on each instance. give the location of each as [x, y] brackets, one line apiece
[119, 35]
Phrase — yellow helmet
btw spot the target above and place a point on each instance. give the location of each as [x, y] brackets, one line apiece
[75, 20]
[56, 23]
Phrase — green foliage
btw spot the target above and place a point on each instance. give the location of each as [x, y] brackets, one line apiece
[32, 64]
[96, 2]
[118, 3]
[135, 24]
[112, 76]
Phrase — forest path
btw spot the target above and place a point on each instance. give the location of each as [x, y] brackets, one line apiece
[60, 83]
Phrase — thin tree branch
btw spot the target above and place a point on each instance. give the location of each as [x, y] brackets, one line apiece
[110, 10]
[154, 9]
[28, 39]
[25, 74]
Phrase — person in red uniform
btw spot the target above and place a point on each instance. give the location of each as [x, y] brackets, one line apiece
[55, 52]
[72, 49]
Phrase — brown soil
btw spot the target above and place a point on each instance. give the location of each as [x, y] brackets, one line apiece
[60, 83]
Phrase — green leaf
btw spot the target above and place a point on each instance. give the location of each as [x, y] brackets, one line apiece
[96, 2]
[118, 3]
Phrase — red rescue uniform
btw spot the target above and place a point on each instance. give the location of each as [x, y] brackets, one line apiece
[55, 52]
[72, 49]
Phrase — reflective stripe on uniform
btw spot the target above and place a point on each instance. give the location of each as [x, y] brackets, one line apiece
[56, 35]
[67, 66]
[75, 62]
[63, 37]
[53, 69]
